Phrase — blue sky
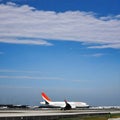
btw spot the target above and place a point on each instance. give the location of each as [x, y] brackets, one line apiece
[69, 49]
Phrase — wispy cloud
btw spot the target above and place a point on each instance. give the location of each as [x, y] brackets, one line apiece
[26, 22]
[30, 77]
[27, 76]
[18, 71]
[1, 53]
[94, 55]
[81, 81]
[14, 87]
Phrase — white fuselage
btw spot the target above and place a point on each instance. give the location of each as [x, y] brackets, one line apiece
[62, 104]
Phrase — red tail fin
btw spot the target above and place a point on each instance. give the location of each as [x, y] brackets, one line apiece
[45, 97]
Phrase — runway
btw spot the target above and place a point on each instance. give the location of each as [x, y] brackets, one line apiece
[14, 113]
[49, 114]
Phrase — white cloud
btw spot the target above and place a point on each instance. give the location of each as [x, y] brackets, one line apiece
[26, 22]
[17, 41]
[114, 45]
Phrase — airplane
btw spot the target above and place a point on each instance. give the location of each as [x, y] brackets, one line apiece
[63, 105]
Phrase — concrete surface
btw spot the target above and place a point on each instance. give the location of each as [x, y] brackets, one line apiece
[48, 114]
